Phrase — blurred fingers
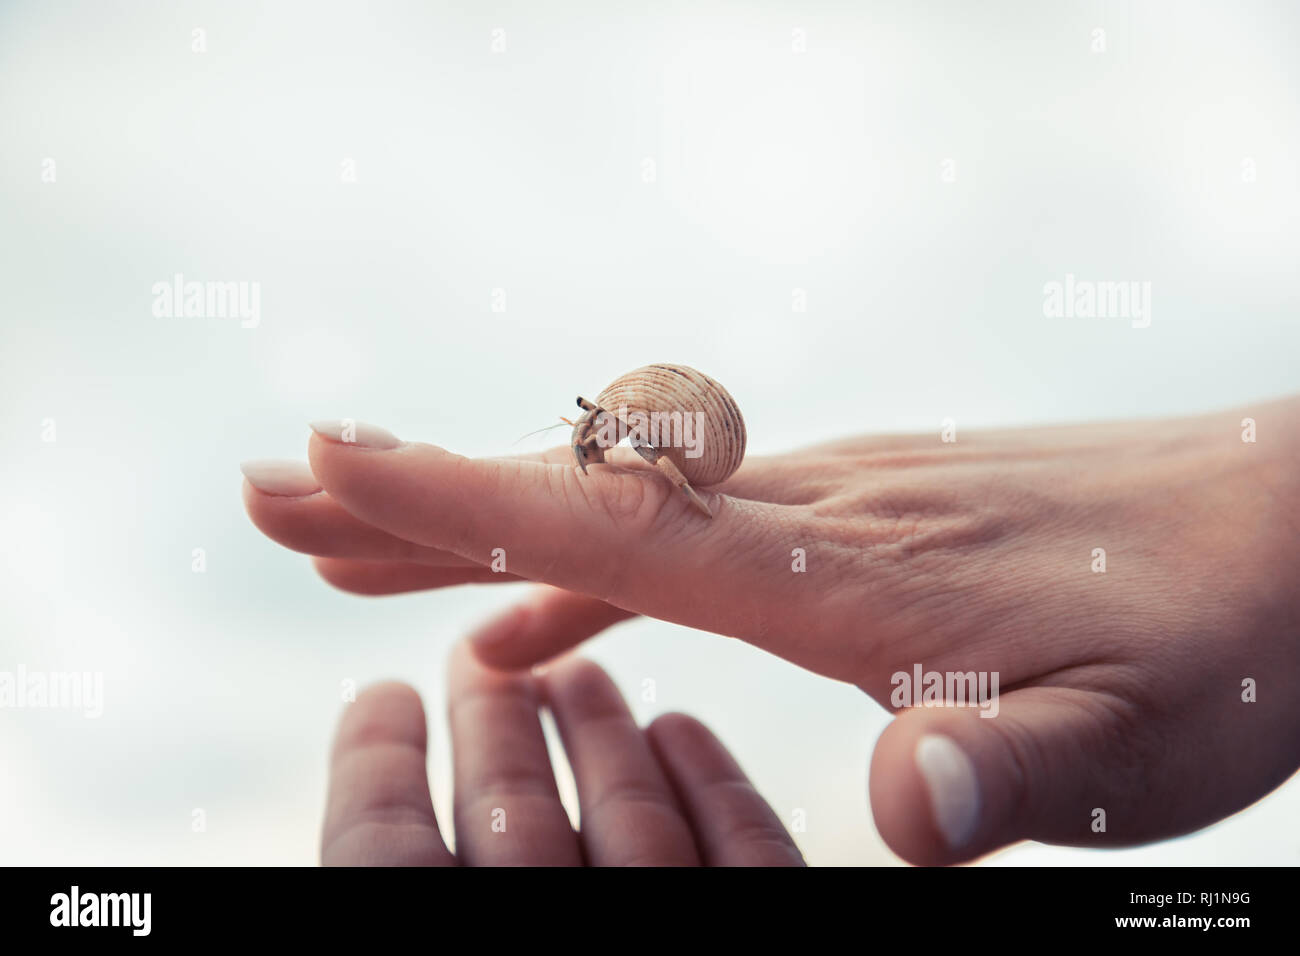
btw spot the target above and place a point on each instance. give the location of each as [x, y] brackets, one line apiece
[507, 806]
[379, 812]
[628, 810]
[732, 823]
[547, 624]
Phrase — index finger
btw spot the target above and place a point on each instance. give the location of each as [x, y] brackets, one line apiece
[623, 535]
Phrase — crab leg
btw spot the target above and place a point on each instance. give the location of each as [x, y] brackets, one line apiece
[673, 473]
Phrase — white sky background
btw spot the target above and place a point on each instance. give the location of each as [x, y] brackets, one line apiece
[523, 170]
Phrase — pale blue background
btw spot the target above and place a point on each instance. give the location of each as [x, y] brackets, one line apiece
[523, 170]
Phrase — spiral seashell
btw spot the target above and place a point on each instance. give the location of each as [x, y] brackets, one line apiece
[675, 417]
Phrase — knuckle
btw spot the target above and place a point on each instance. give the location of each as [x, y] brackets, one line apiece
[676, 723]
[620, 497]
[631, 797]
[582, 680]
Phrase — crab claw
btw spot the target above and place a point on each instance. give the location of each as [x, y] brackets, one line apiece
[580, 453]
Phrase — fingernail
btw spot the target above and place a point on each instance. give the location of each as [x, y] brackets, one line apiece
[345, 431]
[284, 479]
[954, 789]
[505, 628]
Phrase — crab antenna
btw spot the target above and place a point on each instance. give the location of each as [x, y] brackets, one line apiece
[563, 421]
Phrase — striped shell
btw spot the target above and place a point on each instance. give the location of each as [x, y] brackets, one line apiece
[678, 388]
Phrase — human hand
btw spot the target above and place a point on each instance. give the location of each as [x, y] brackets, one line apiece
[670, 795]
[1119, 690]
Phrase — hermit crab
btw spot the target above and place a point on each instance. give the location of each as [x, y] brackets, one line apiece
[677, 419]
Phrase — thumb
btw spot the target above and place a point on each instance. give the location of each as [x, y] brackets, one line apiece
[1052, 764]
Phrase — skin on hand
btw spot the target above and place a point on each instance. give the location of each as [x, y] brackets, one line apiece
[670, 795]
[1120, 690]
